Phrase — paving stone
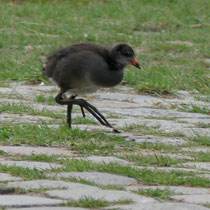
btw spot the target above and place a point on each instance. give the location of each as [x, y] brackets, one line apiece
[98, 177]
[89, 127]
[25, 200]
[27, 90]
[207, 60]
[27, 150]
[159, 206]
[148, 111]
[113, 104]
[199, 165]
[196, 120]
[122, 122]
[196, 149]
[105, 159]
[171, 126]
[36, 184]
[205, 175]
[167, 169]
[49, 208]
[160, 140]
[175, 189]
[36, 106]
[144, 100]
[196, 199]
[155, 153]
[23, 118]
[8, 177]
[108, 195]
[30, 164]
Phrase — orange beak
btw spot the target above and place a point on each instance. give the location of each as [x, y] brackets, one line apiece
[135, 63]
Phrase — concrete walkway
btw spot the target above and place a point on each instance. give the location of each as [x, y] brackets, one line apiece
[131, 109]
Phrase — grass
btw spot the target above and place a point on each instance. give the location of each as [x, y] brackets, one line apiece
[201, 140]
[201, 156]
[168, 43]
[20, 108]
[23, 172]
[191, 108]
[159, 194]
[50, 100]
[152, 160]
[89, 202]
[81, 141]
[203, 125]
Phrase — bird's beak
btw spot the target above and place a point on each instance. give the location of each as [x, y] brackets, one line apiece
[135, 63]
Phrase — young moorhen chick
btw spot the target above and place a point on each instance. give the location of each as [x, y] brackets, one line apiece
[84, 68]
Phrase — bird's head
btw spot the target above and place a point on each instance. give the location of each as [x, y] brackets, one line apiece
[124, 55]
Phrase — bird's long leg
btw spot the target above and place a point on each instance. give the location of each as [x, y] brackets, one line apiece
[84, 104]
[69, 111]
[59, 99]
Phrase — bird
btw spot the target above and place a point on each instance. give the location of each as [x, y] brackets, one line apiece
[84, 68]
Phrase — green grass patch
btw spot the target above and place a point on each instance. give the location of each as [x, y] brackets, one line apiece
[23, 172]
[203, 125]
[159, 194]
[26, 109]
[82, 120]
[207, 205]
[84, 142]
[89, 202]
[159, 147]
[152, 160]
[172, 60]
[50, 100]
[191, 108]
[203, 98]
[201, 156]
[201, 140]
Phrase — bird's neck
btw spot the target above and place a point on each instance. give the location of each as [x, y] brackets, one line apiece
[114, 63]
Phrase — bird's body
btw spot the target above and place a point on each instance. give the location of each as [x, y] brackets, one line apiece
[84, 68]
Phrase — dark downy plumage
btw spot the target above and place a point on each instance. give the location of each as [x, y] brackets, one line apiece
[84, 68]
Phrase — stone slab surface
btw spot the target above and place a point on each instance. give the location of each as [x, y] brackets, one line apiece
[30, 164]
[8, 177]
[27, 150]
[50, 208]
[25, 200]
[175, 189]
[167, 168]
[197, 199]
[147, 111]
[36, 184]
[160, 140]
[98, 177]
[108, 195]
[105, 159]
[196, 149]
[199, 165]
[23, 118]
[160, 206]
